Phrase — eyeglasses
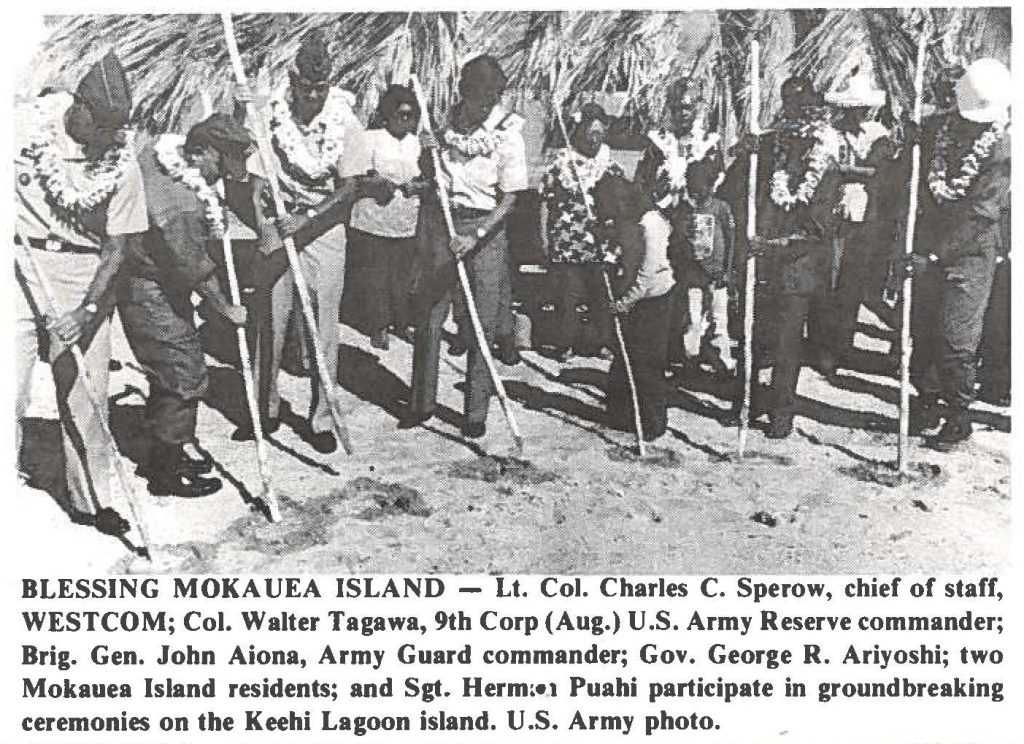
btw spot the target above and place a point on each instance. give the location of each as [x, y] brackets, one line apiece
[312, 86]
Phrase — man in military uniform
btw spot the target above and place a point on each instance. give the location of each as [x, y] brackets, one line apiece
[80, 202]
[968, 183]
[309, 122]
[796, 229]
[171, 263]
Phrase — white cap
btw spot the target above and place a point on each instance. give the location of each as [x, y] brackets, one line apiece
[984, 91]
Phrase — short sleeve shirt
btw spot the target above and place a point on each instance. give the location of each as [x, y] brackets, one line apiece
[475, 175]
[124, 211]
[397, 161]
[704, 231]
[571, 228]
[654, 277]
[337, 122]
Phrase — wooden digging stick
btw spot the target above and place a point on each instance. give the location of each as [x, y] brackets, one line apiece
[267, 495]
[98, 403]
[474, 317]
[751, 274]
[638, 427]
[906, 343]
[327, 379]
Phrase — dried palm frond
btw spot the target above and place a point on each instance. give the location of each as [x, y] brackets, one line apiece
[567, 56]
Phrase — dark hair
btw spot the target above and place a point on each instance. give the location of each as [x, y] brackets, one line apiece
[482, 74]
[678, 91]
[617, 198]
[221, 132]
[588, 114]
[394, 97]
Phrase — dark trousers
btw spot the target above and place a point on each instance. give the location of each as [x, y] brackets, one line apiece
[499, 279]
[791, 315]
[487, 267]
[159, 325]
[379, 281]
[571, 285]
[951, 301]
[646, 332]
[996, 338]
[848, 284]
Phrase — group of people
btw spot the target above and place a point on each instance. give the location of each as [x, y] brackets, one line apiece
[110, 220]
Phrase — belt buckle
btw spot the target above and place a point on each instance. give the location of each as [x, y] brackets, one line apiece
[54, 245]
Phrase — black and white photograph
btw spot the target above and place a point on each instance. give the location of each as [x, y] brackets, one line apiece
[514, 292]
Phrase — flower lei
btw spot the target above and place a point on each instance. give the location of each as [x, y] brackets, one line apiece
[482, 142]
[330, 125]
[69, 203]
[821, 153]
[945, 189]
[572, 164]
[168, 155]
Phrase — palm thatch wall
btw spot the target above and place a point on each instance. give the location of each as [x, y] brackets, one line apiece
[549, 55]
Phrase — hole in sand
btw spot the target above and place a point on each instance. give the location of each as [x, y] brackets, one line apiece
[494, 468]
[658, 456]
[922, 473]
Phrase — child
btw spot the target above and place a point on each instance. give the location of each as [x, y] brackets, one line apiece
[643, 300]
[703, 242]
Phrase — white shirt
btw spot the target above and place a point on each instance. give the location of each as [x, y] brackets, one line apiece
[336, 122]
[654, 278]
[475, 180]
[125, 208]
[397, 161]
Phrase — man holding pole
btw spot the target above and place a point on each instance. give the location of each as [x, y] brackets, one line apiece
[968, 183]
[80, 202]
[185, 210]
[309, 121]
[796, 228]
[484, 159]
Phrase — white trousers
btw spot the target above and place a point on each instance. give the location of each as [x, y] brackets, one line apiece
[322, 263]
[86, 456]
[719, 324]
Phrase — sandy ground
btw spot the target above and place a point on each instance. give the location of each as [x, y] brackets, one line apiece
[425, 500]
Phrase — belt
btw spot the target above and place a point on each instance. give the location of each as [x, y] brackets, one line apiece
[60, 246]
[468, 213]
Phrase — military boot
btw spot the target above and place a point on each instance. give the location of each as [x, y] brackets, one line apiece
[925, 413]
[956, 430]
[170, 474]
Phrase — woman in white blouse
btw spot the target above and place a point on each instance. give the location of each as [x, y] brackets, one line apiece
[382, 233]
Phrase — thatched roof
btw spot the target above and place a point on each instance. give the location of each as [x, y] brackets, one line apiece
[549, 55]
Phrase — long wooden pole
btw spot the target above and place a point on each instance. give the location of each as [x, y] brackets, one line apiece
[906, 343]
[96, 400]
[267, 495]
[327, 377]
[638, 427]
[751, 273]
[474, 317]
